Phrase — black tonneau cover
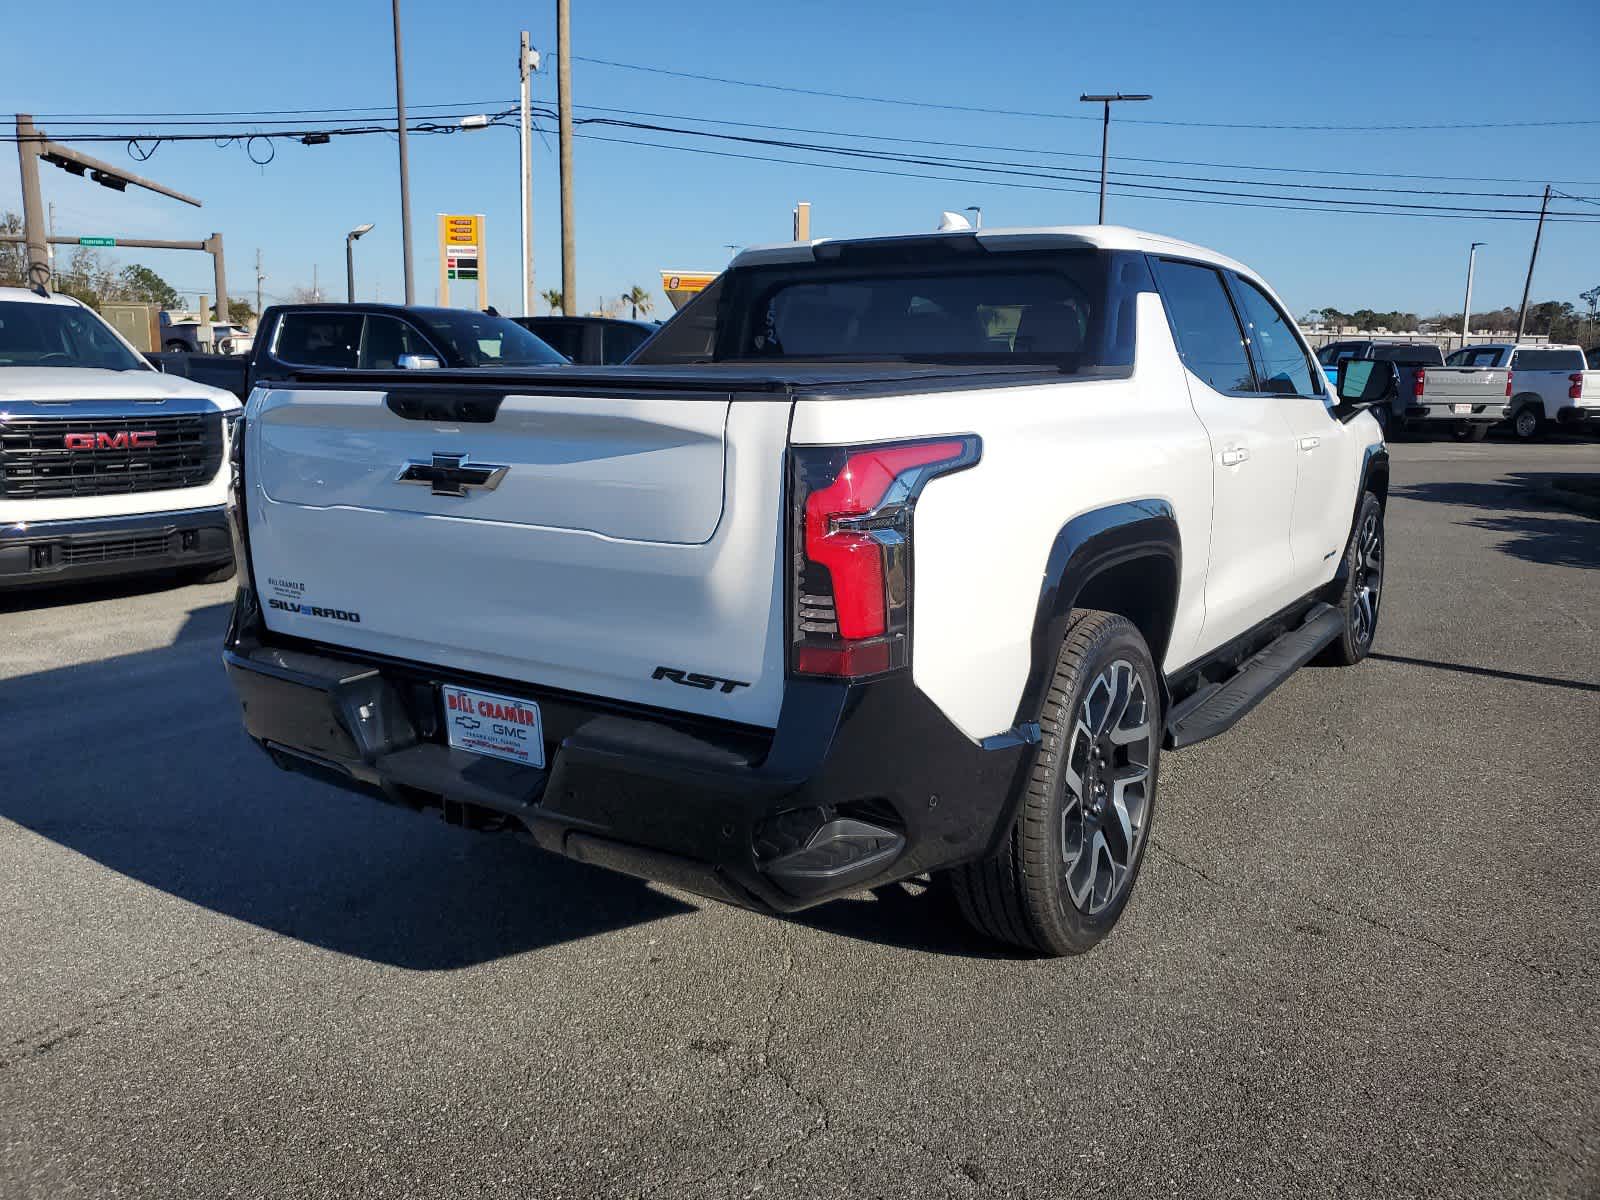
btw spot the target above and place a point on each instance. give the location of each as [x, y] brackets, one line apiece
[781, 379]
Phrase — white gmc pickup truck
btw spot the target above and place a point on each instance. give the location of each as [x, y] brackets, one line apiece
[885, 557]
[107, 466]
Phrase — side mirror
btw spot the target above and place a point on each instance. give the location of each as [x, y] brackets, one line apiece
[418, 362]
[1362, 383]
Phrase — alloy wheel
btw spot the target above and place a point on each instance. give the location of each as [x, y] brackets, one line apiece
[1368, 580]
[1107, 776]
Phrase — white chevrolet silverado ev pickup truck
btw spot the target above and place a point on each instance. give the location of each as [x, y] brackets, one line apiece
[107, 466]
[885, 557]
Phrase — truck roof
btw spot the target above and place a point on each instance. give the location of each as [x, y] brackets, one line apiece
[1100, 237]
[24, 295]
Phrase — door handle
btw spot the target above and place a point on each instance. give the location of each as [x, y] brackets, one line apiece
[1310, 443]
[1232, 458]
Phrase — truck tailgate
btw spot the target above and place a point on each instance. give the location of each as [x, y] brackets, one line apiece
[1465, 385]
[604, 550]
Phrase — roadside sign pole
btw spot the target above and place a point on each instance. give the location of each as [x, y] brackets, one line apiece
[527, 63]
[405, 160]
[569, 263]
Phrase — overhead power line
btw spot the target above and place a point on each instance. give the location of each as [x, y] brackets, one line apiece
[1057, 116]
[455, 110]
[994, 172]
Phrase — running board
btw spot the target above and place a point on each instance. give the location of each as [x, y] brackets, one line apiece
[1216, 708]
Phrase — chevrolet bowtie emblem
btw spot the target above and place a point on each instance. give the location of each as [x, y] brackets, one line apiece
[452, 474]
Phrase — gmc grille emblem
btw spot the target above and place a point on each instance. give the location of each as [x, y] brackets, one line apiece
[452, 474]
[141, 440]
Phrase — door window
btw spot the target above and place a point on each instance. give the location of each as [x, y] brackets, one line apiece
[1204, 325]
[386, 339]
[1283, 365]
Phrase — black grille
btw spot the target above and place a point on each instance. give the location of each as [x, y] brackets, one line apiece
[115, 549]
[35, 462]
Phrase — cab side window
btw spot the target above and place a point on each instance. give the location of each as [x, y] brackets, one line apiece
[1283, 365]
[318, 339]
[1204, 325]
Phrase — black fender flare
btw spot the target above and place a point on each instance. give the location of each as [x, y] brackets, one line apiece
[1087, 545]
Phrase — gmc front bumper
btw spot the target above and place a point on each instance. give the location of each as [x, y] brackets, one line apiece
[859, 785]
[35, 553]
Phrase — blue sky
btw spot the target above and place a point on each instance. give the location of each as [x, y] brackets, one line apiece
[642, 209]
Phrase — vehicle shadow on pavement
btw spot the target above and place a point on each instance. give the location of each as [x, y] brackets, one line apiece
[910, 915]
[140, 763]
[62, 595]
[1534, 532]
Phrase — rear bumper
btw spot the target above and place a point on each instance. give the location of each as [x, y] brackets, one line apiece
[39, 553]
[1573, 415]
[858, 785]
[1482, 413]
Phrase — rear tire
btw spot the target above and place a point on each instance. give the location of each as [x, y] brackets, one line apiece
[1527, 423]
[1477, 431]
[1069, 863]
[1363, 588]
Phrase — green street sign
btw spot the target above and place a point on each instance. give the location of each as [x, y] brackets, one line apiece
[97, 241]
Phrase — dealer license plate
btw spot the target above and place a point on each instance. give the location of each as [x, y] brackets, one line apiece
[505, 727]
[1464, 410]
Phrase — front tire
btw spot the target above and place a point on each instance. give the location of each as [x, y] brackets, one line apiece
[1068, 866]
[1362, 590]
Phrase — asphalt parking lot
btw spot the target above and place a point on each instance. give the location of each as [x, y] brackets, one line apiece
[1363, 959]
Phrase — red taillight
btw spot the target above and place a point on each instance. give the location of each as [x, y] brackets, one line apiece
[1508, 384]
[1575, 392]
[852, 561]
[1417, 384]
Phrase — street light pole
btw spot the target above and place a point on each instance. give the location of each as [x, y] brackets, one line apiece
[1105, 136]
[1466, 309]
[405, 159]
[350, 260]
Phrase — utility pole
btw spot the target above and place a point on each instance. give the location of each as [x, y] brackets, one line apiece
[50, 248]
[527, 63]
[405, 161]
[38, 252]
[569, 264]
[213, 245]
[1522, 319]
[1466, 309]
[1105, 136]
[259, 278]
[316, 291]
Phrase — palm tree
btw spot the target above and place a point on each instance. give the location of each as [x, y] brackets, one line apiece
[639, 300]
[552, 297]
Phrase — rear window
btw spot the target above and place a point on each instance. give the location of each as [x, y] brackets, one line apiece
[1475, 356]
[1548, 360]
[939, 301]
[1415, 356]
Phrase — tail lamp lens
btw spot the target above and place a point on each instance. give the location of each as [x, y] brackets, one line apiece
[852, 550]
[1508, 384]
[1575, 392]
[1418, 382]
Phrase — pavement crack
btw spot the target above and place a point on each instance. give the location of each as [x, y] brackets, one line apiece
[45, 1038]
[1182, 862]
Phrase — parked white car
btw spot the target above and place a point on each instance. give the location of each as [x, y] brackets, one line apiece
[1545, 386]
[107, 466]
[884, 556]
